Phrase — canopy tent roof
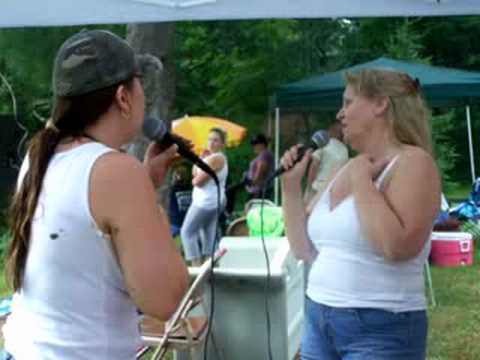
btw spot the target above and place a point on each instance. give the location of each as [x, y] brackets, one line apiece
[441, 86]
[17, 13]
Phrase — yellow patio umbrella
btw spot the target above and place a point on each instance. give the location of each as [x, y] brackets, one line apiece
[196, 129]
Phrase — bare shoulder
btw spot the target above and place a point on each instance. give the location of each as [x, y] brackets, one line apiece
[416, 152]
[118, 179]
[114, 171]
[416, 168]
[119, 167]
[416, 160]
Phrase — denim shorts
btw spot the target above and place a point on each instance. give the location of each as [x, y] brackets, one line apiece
[362, 334]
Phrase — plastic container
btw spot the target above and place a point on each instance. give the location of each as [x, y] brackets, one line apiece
[239, 327]
[273, 223]
[452, 249]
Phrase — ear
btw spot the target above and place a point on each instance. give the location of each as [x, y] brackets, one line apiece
[124, 100]
[381, 105]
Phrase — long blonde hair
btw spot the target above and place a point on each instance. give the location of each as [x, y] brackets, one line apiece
[408, 115]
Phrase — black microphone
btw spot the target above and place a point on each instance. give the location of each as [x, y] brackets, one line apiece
[156, 130]
[319, 139]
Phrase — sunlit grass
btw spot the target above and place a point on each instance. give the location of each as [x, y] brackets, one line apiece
[458, 193]
[455, 322]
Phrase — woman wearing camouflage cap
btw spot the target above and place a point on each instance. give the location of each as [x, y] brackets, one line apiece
[89, 244]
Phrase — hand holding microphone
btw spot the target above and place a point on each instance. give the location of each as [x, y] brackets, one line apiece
[158, 160]
[297, 154]
[157, 131]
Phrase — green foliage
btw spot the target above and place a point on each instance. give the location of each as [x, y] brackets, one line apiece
[458, 192]
[472, 227]
[26, 61]
[365, 40]
[443, 146]
[4, 241]
[452, 41]
[406, 43]
[230, 69]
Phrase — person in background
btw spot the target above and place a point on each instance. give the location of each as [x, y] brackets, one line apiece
[326, 161]
[368, 234]
[89, 245]
[199, 228]
[180, 198]
[260, 169]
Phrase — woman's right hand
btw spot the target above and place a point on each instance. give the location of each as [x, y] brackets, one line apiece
[158, 161]
[294, 171]
[205, 153]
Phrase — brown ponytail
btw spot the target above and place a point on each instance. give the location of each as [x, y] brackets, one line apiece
[25, 200]
[70, 117]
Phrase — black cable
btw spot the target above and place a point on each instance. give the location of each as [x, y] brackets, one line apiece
[211, 275]
[267, 280]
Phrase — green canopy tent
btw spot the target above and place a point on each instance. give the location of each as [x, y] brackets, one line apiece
[442, 87]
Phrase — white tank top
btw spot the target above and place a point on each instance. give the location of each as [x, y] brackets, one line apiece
[205, 196]
[74, 304]
[349, 272]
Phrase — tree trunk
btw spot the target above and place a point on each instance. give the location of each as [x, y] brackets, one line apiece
[155, 43]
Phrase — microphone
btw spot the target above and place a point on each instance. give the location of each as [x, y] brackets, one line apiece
[319, 139]
[156, 130]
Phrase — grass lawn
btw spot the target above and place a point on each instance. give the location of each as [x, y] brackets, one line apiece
[455, 322]
[458, 193]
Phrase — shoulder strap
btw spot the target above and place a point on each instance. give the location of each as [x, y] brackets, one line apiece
[386, 170]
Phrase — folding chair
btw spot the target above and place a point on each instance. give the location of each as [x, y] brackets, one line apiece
[238, 227]
[257, 202]
[182, 331]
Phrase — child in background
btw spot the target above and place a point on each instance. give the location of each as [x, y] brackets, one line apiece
[180, 197]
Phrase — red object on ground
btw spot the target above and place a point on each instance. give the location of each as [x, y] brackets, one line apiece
[452, 248]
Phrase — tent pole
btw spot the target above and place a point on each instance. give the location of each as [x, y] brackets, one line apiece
[470, 143]
[269, 125]
[277, 153]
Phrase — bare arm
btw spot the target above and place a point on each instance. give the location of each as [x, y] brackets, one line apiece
[123, 203]
[200, 177]
[260, 172]
[294, 207]
[398, 221]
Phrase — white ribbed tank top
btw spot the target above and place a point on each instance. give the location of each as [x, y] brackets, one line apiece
[205, 196]
[349, 272]
[74, 304]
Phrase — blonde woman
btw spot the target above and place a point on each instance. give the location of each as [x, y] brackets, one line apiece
[368, 235]
[199, 228]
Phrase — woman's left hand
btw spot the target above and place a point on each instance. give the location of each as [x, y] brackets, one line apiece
[364, 167]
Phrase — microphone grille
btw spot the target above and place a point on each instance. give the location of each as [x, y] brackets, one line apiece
[320, 138]
[154, 129]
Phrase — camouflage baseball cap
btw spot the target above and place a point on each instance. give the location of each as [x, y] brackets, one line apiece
[92, 60]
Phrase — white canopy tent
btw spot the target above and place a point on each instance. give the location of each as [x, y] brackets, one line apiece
[21, 13]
